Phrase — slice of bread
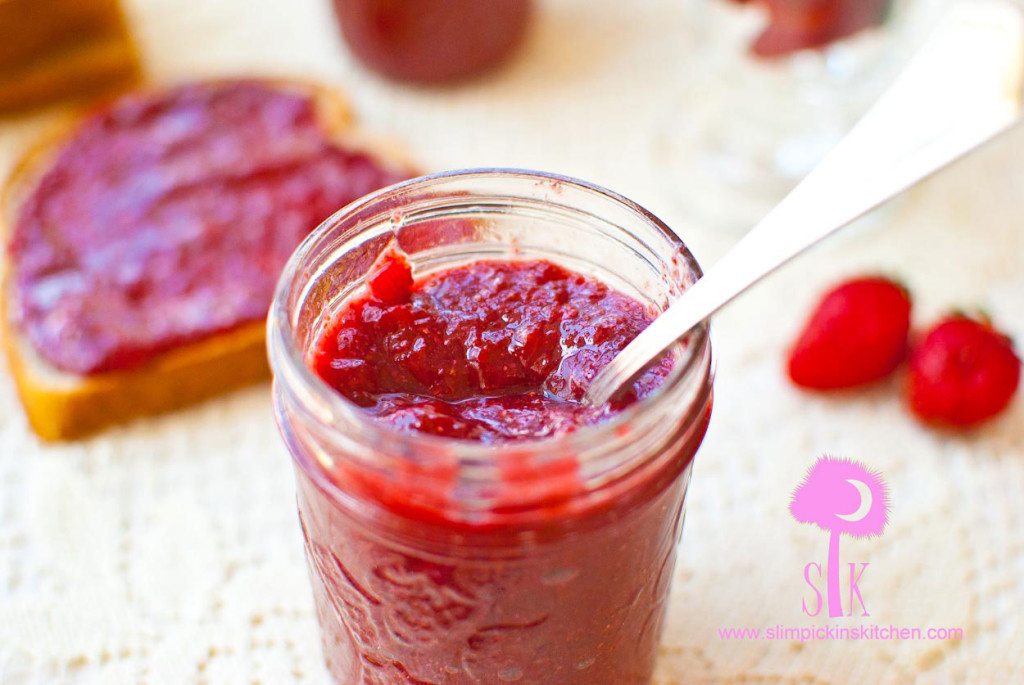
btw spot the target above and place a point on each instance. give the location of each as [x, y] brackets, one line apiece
[63, 406]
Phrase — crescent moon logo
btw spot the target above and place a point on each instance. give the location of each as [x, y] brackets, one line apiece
[865, 501]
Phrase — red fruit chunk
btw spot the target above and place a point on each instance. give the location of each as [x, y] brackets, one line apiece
[961, 373]
[856, 335]
[390, 279]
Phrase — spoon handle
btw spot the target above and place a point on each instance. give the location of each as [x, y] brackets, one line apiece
[960, 90]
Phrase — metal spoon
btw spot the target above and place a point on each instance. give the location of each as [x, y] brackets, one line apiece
[962, 88]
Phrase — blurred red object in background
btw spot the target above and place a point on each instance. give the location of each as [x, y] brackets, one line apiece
[432, 41]
[807, 24]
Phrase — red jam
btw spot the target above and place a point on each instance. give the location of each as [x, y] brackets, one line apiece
[167, 217]
[554, 584]
[809, 24]
[431, 41]
[491, 351]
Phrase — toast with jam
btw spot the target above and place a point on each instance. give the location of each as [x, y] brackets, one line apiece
[144, 241]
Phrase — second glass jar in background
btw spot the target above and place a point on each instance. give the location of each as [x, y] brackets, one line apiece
[432, 41]
[748, 127]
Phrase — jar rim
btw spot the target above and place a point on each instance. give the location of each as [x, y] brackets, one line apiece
[325, 404]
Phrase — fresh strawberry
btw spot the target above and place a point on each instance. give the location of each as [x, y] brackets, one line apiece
[857, 334]
[962, 372]
[807, 24]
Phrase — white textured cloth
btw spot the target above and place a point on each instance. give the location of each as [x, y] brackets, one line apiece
[169, 551]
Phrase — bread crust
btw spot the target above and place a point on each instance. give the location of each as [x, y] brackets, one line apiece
[64, 406]
[55, 60]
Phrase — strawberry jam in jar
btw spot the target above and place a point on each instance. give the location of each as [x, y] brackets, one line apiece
[466, 517]
[432, 41]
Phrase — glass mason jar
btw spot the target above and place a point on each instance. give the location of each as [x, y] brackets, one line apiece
[436, 560]
[746, 128]
[433, 41]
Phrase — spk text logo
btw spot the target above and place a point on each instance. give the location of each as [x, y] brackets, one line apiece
[843, 497]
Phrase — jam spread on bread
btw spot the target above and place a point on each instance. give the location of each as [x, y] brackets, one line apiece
[167, 216]
[491, 351]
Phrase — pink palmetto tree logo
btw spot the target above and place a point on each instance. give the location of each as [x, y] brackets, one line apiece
[841, 496]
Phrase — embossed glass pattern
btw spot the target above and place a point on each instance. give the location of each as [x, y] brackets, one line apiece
[430, 563]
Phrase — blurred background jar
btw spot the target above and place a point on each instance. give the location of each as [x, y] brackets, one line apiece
[432, 41]
[773, 86]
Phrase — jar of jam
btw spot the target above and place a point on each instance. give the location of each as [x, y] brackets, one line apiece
[432, 41]
[450, 560]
